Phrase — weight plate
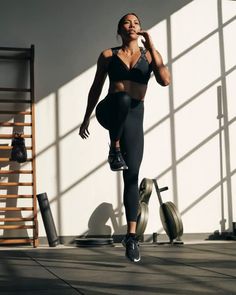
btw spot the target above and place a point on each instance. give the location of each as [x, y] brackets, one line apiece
[171, 220]
[87, 242]
[145, 190]
[168, 221]
[178, 219]
[142, 219]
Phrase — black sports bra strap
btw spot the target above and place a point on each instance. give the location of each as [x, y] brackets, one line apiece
[143, 53]
[115, 50]
[143, 50]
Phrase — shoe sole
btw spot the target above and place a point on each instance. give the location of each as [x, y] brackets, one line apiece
[135, 260]
[120, 169]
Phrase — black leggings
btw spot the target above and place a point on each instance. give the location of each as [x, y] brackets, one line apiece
[123, 117]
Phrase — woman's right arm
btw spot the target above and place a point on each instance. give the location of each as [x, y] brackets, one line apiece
[94, 92]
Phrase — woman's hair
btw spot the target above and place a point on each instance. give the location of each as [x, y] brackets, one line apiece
[122, 20]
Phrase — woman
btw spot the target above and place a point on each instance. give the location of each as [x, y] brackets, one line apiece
[121, 112]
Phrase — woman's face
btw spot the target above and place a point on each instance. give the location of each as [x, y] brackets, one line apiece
[130, 27]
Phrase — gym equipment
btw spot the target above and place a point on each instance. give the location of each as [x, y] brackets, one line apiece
[142, 219]
[18, 104]
[48, 222]
[170, 217]
[93, 242]
[145, 191]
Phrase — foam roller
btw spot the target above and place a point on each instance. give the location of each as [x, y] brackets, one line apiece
[48, 222]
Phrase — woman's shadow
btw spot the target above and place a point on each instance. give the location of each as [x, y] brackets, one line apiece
[97, 224]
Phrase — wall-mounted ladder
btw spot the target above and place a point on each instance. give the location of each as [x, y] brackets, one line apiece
[18, 202]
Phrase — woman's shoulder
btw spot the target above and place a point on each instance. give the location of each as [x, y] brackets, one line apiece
[109, 51]
[105, 57]
[106, 53]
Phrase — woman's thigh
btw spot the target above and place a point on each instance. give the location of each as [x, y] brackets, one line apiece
[112, 109]
[103, 112]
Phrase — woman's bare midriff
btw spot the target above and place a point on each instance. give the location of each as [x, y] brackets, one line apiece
[134, 89]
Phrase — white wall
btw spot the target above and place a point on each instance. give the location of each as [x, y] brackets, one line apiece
[181, 126]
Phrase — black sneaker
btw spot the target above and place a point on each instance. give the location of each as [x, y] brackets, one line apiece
[116, 161]
[132, 248]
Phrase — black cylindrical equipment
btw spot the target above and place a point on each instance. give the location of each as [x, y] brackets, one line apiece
[48, 222]
[234, 228]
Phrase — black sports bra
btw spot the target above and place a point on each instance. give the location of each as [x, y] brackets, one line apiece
[118, 70]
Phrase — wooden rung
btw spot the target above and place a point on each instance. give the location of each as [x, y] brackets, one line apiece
[16, 171]
[9, 241]
[9, 160]
[8, 147]
[15, 112]
[15, 101]
[16, 226]
[16, 196]
[16, 183]
[13, 136]
[9, 124]
[10, 89]
[16, 219]
[16, 208]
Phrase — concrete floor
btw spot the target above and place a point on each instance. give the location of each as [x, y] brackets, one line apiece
[192, 268]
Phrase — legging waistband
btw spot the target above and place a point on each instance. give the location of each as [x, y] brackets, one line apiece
[134, 101]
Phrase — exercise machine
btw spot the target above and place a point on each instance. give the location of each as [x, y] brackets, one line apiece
[170, 217]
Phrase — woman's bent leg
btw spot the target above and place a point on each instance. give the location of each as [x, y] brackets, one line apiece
[112, 111]
[120, 107]
[103, 113]
[111, 114]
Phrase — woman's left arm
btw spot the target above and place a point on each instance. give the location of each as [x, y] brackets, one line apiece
[160, 71]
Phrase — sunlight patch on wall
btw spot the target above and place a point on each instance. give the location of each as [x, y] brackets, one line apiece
[72, 99]
[81, 203]
[81, 157]
[192, 23]
[196, 122]
[198, 174]
[157, 97]
[157, 150]
[196, 70]
[46, 172]
[156, 104]
[45, 122]
[228, 9]
[232, 132]
[78, 156]
[159, 37]
[230, 86]
[230, 45]
[205, 216]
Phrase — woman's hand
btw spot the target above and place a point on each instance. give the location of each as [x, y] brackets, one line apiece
[147, 42]
[83, 132]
